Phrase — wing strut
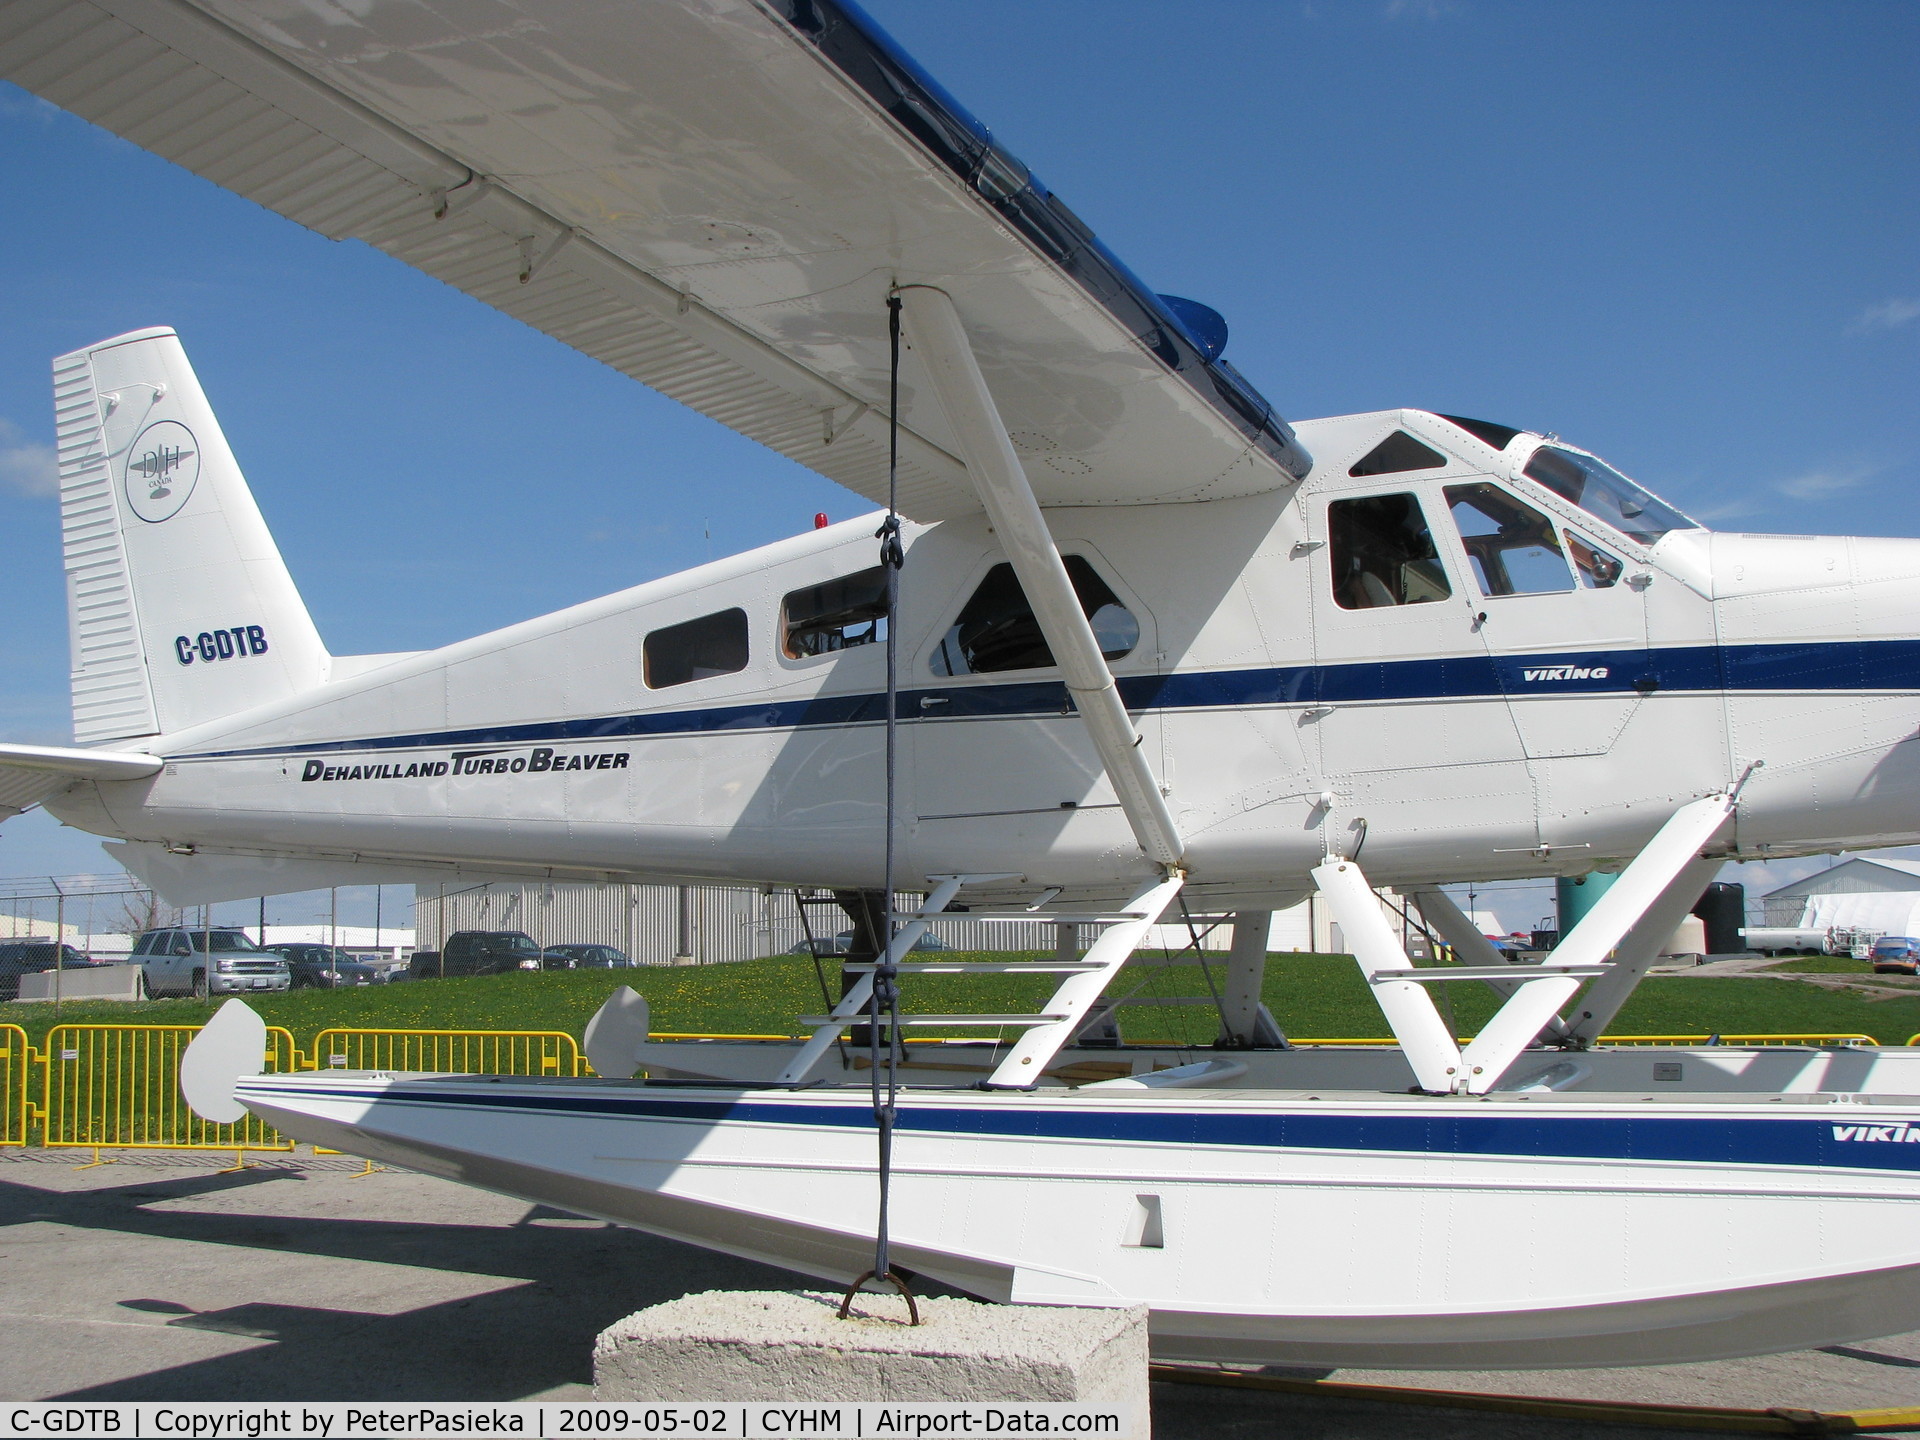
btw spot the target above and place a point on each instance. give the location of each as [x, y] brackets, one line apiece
[1439, 911]
[998, 479]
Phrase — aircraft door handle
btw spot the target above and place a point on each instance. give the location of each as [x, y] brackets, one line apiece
[927, 702]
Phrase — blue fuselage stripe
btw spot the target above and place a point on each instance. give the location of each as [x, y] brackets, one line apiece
[1856, 665]
[1712, 1140]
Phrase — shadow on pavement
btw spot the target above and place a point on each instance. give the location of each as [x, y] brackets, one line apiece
[577, 1278]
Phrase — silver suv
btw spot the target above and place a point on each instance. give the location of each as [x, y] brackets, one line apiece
[207, 962]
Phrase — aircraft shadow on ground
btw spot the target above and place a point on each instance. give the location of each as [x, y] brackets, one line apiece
[506, 1344]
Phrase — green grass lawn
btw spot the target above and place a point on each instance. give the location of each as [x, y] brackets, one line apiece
[1826, 965]
[1319, 996]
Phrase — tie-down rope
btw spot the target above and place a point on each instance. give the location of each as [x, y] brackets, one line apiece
[883, 1005]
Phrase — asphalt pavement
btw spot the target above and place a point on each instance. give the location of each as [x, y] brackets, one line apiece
[158, 1277]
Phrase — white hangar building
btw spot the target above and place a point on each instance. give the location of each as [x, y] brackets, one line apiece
[1857, 894]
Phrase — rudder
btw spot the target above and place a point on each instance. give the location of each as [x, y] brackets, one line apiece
[180, 608]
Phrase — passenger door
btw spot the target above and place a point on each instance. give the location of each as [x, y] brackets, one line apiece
[1400, 677]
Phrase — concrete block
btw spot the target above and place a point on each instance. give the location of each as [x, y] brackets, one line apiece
[789, 1345]
[95, 982]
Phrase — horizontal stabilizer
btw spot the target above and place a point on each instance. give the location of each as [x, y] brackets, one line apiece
[30, 773]
[199, 876]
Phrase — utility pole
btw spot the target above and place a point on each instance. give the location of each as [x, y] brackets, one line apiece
[59, 942]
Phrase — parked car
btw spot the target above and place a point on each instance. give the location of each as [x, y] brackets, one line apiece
[477, 952]
[220, 961]
[584, 957]
[1896, 955]
[382, 962]
[827, 946]
[31, 957]
[327, 967]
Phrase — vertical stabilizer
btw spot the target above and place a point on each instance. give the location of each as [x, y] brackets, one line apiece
[179, 606]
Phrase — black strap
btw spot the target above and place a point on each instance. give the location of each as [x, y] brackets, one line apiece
[883, 1007]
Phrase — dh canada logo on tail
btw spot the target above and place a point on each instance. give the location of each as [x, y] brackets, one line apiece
[163, 464]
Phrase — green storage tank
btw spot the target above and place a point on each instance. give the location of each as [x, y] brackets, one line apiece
[1575, 897]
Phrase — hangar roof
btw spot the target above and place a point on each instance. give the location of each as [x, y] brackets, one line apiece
[1857, 875]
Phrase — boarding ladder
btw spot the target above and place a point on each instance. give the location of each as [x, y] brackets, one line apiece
[1043, 1033]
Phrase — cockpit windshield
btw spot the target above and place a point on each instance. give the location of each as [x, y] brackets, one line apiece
[1600, 490]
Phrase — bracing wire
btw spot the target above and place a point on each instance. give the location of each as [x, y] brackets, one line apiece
[1196, 938]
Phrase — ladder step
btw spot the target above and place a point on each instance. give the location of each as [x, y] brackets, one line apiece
[986, 967]
[1437, 974]
[1032, 917]
[862, 1019]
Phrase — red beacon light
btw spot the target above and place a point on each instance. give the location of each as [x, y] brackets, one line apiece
[819, 519]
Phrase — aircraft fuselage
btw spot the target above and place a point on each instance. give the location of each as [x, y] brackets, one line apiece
[1447, 730]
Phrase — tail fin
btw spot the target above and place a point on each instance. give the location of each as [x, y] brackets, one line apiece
[179, 606]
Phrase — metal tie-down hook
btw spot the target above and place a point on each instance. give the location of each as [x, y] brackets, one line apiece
[893, 1278]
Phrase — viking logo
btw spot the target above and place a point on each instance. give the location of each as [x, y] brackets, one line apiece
[1564, 672]
[163, 464]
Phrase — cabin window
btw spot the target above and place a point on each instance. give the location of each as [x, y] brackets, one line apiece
[1511, 546]
[696, 649]
[1397, 453]
[836, 615]
[997, 630]
[1383, 553]
[1596, 568]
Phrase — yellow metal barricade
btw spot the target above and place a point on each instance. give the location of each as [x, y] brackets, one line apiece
[118, 1086]
[14, 1104]
[1726, 1039]
[461, 1052]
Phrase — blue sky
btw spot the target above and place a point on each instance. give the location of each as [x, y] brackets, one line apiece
[1680, 234]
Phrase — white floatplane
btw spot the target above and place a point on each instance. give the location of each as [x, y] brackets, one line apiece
[1160, 651]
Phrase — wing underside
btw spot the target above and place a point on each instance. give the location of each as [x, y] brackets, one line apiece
[711, 196]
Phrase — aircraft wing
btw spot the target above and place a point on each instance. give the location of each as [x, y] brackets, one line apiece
[711, 196]
[30, 773]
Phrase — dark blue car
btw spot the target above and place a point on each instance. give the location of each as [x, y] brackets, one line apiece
[1896, 955]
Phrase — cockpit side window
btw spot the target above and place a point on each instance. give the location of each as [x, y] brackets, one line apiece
[1596, 568]
[1603, 492]
[1382, 553]
[1512, 547]
[996, 629]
